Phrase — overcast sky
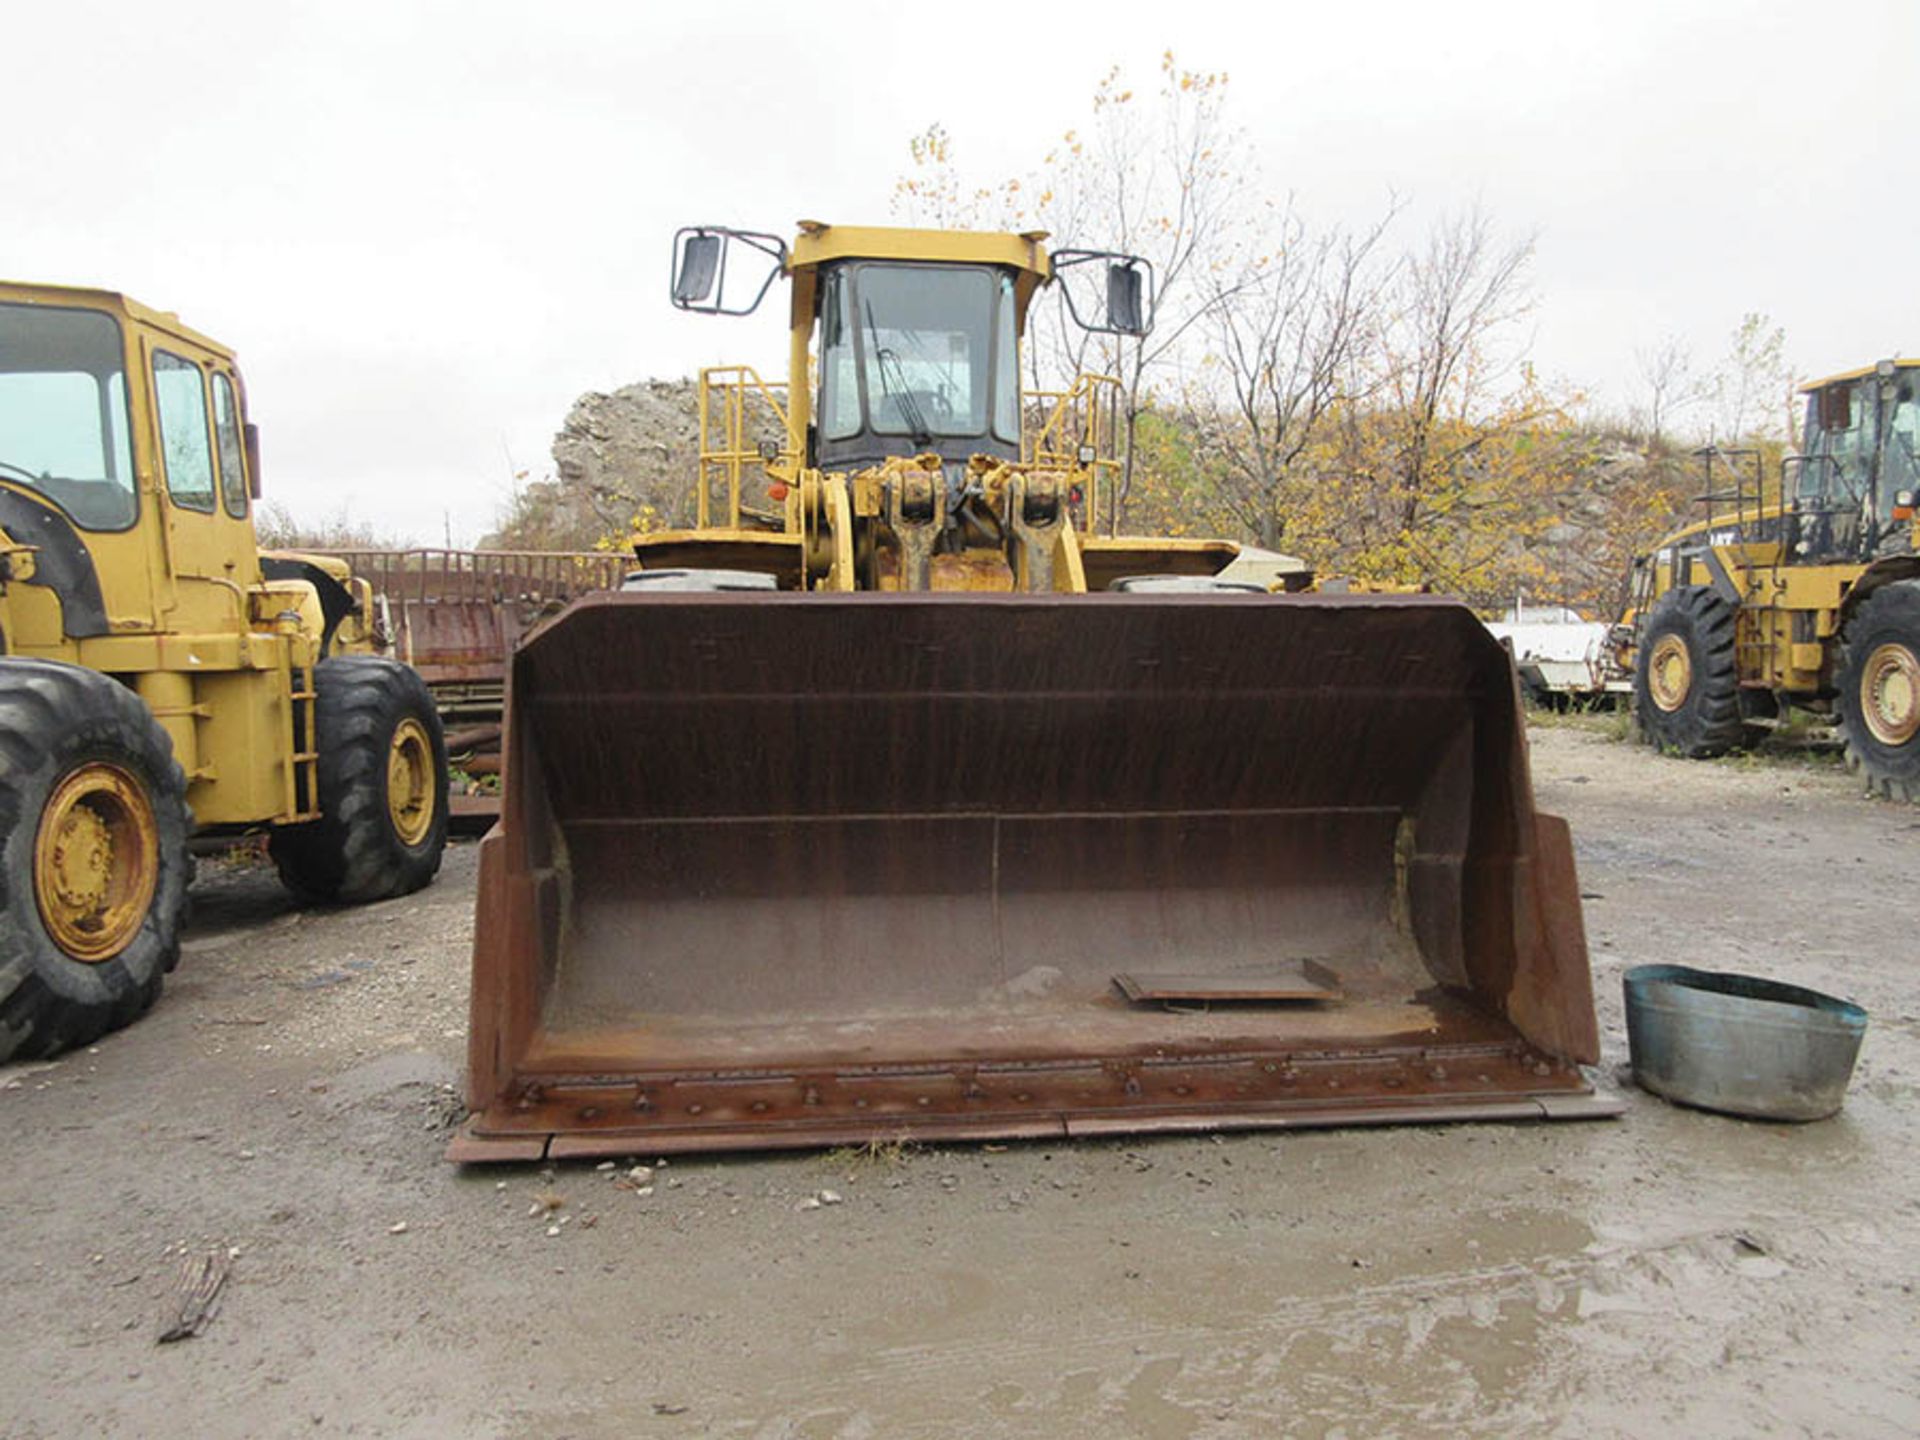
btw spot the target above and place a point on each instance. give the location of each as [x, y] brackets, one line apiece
[427, 228]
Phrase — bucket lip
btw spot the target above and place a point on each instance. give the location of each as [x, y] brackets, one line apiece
[1732, 985]
[1047, 599]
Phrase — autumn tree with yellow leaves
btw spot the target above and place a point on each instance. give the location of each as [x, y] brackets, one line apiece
[1360, 398]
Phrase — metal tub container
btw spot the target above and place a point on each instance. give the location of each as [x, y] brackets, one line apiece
[1739, 1044]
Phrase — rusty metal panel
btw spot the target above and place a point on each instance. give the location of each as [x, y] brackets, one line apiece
[1296, 980]
[799, 869]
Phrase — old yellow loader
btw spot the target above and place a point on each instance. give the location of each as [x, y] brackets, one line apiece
[1801, 590]
[893, 800]
[161, 678]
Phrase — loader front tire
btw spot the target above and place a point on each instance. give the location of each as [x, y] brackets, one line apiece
[1686, 683]
[383, 787]
[1879, 683]
[93, 857]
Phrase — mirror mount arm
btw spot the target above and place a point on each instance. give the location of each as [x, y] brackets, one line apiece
[699, 282]
[1130, 291]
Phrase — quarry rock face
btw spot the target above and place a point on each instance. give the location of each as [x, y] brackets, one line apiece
[639, 444]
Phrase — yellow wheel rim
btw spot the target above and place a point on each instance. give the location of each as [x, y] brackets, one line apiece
[96, 862]
[1890, 694]
[412, 786]
[1669, 672]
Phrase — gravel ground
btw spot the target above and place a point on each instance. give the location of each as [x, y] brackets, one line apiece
[286, 1106]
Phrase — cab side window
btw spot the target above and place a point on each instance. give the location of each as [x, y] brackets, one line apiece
[1841, 448]
[226, 429]
[1903, 440]
[180, 389]
[1852, 446]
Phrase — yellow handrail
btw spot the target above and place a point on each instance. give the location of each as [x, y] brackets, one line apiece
[1084, 418]
[723, 455]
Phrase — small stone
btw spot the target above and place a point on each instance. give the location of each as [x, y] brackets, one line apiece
[643, 1191]
[552, 1230]
[640, 1174]
[812, 1202]
[831, 1197]
[399, 1227]
[499, 1184]
[604, 1165]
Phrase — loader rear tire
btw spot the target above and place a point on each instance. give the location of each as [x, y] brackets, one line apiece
[383, 787]
[1686, 683]
[93, 857]
[1879, 683]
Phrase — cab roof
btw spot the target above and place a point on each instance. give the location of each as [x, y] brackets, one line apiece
[1860, 374]
[818, 243]
[77, 297]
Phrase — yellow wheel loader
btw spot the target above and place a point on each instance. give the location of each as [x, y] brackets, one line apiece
[1804, 592]
[892, 800]
[163, 680]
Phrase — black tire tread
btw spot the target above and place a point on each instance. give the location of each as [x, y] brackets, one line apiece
[351, 854]
[1891, 612]
[46, 706]
[1710, 722]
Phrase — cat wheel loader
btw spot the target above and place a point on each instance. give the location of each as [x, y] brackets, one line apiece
[892, 799]
[162, 679]
[1801, 592]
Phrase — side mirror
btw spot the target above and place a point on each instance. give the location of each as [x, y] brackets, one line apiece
[1124, 311]
[250, 438]
[1129, 291]
[701, 256]
[699, 267]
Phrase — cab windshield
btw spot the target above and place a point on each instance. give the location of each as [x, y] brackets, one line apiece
[918, 351]
[63, 411]
[1901, 468]
[1850, 444]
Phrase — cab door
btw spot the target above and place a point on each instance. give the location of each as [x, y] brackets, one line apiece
[209, 537]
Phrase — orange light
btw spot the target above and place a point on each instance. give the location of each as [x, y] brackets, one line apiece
[776, 492]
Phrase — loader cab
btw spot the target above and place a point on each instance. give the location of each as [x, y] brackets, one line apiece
[917, 331]
[916, 358]
[1861, 456]
[126, 460]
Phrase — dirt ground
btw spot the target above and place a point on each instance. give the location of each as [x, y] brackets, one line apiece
[1666, 1273]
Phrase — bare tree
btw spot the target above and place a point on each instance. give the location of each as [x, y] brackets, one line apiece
[934, 192]
[1287, 338]
[1666, 372]
[1453, 300]
[1750, 382]
[1165, 181]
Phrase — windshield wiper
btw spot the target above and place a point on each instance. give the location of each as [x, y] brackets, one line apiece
[917, 430]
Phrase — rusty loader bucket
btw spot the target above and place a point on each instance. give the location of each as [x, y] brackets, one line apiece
[792, 870]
